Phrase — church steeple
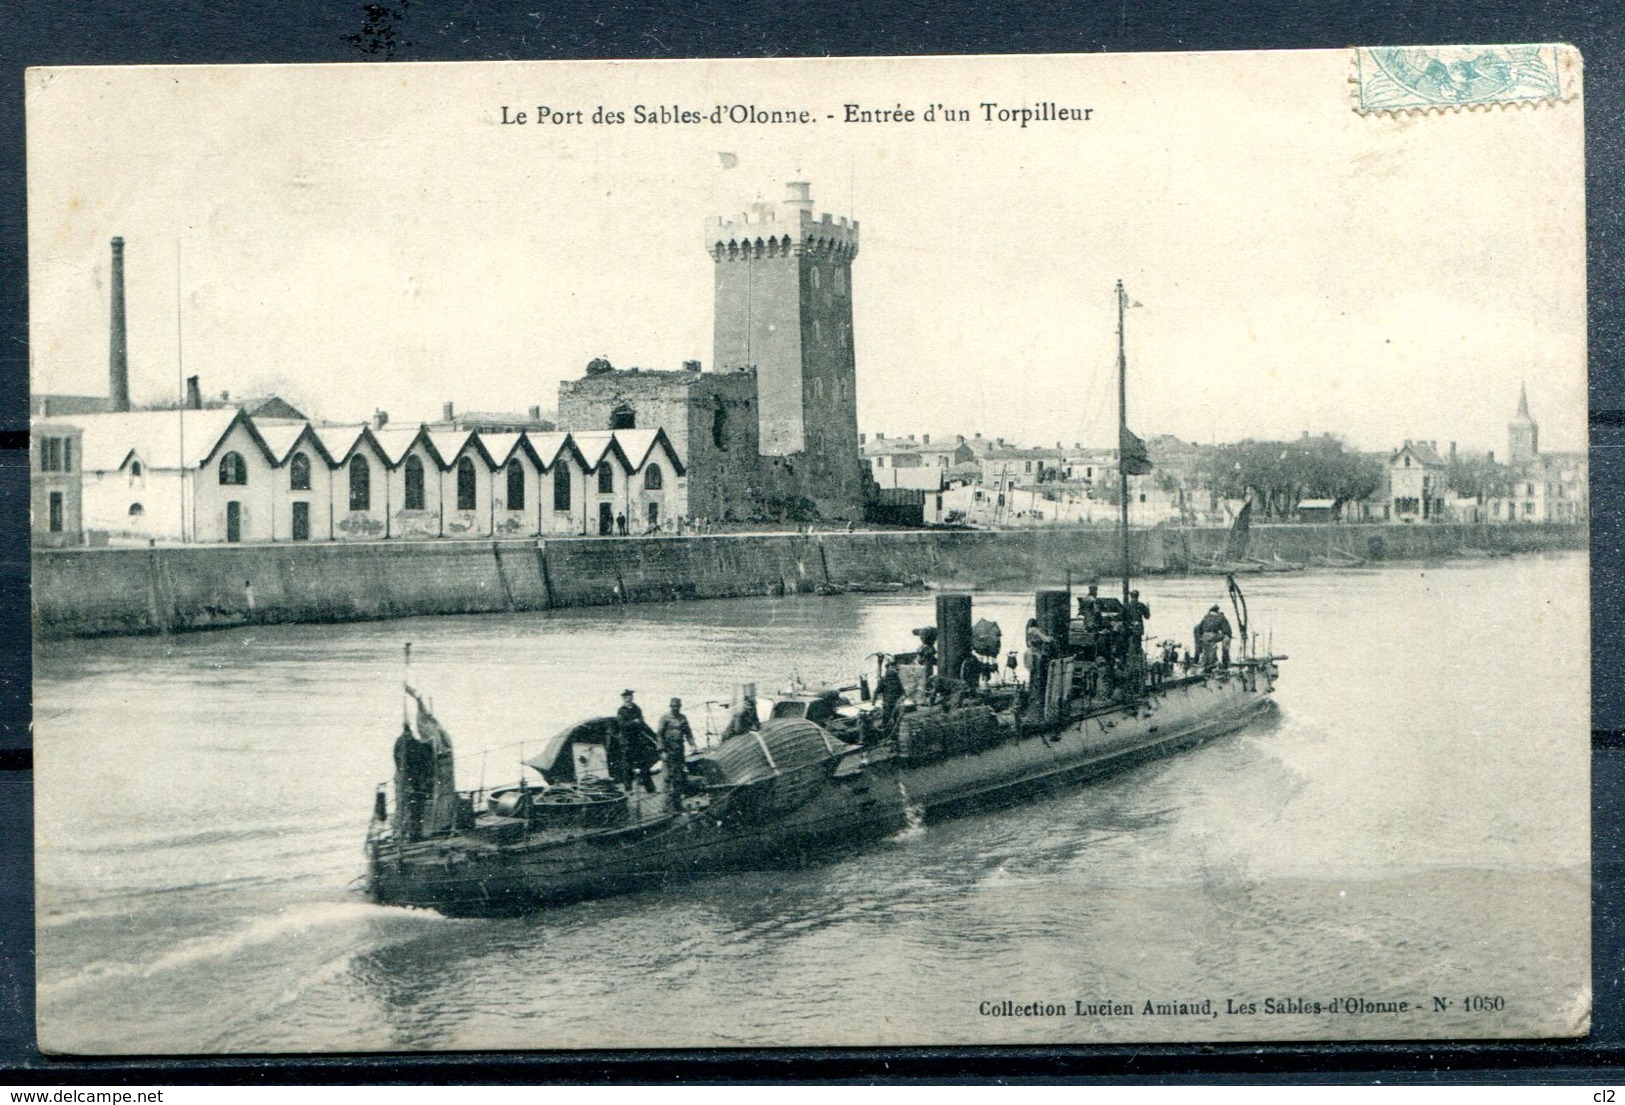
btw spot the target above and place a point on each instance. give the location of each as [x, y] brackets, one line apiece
[1523, 432]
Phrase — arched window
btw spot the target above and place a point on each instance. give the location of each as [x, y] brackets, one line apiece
[465, 484]
[653, 478]
[360, 483]
[137, 510]
[414, 484]
[561, 486]
[233, 469]
[135, 470]
[623, 417]
[606, 478]
[299, 473]
[516, 485]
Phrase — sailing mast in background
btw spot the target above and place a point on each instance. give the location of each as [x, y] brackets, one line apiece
[180, 386]
[1132, 458]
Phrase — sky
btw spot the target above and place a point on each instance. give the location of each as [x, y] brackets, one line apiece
[372, 236]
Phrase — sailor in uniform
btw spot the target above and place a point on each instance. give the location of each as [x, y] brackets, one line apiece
[743, 719]
[676, 741]
[1089, 614]
[890, 691]
[414, 773]
[1212, 631]
[637, 746]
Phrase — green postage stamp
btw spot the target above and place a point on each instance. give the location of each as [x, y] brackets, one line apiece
[1423, 78]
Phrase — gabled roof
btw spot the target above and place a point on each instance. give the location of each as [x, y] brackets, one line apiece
[638, 445]
[594, 445]
[339, 441]
[1422, 451]
[271, 406]
[156, 437]
[470, 442]
[448, 444]
[280, 438]
[307, 438]
[548, 446]
[396, 441]
[500, 447]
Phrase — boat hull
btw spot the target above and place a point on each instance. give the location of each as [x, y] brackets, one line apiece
[868, 795]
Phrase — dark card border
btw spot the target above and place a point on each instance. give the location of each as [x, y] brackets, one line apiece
[232, 31]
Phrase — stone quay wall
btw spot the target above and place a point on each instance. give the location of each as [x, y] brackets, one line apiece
[102, 592]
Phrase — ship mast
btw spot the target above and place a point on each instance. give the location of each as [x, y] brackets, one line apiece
[1122, 435]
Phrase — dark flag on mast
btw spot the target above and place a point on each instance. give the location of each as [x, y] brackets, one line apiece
[1235, 547]
[1132, 455]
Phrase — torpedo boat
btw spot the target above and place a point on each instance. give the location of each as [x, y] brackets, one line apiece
[951, 725]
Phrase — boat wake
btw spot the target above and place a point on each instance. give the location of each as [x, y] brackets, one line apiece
[297, 923]
[914, 813]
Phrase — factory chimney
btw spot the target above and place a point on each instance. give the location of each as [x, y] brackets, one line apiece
[194, 394]
[118, 367]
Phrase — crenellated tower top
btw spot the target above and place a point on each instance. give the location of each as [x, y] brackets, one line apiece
[790, 228]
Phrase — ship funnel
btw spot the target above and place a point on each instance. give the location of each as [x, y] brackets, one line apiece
[1054, 613]
[953, 632]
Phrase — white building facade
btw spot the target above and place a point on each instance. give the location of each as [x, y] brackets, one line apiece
[222, 477]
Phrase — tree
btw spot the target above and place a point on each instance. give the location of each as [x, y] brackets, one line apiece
[1478, 478]
[1280, 474]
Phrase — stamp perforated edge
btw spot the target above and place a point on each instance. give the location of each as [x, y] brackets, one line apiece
[1543, 75]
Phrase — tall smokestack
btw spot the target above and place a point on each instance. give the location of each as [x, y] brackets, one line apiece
[118, 366]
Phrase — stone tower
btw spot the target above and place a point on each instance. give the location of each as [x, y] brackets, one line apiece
[1523, 433]
[784, 308]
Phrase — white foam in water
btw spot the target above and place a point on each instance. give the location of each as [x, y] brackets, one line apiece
[914, 826]
[287, 923]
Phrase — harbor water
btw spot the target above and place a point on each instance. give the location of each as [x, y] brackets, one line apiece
[1411, 830]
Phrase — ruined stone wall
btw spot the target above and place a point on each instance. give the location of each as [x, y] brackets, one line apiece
[710, 418]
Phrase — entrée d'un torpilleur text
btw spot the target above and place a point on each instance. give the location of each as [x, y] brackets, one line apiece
[1021, 117]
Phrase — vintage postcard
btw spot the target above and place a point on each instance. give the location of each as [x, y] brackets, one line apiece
[879, 552]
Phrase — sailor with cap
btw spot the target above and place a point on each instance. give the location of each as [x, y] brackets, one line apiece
[637, 747]
[676, 740]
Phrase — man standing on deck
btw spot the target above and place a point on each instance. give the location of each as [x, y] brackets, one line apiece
[676, 741]
[890, 691]
[1138, 612]
[637, 744]
[1213, 629]
[1040, 651]
[1134, 617]
[414, 775]
[1089, 612]
[744, 719]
